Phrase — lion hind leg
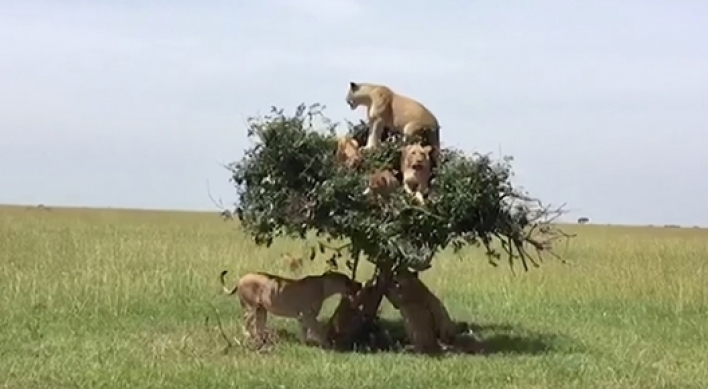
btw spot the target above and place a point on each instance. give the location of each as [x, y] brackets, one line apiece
[255, 324]
[261, 316]
[418, 324]
[412, 128]
[248, 326]
[427, 133]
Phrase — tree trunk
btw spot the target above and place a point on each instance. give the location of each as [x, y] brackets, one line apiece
[352, 323]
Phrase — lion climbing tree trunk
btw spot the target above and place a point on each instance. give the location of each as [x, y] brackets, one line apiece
[352, 323]
[429, 329]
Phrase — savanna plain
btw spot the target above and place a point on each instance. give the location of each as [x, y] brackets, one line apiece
[130, 299]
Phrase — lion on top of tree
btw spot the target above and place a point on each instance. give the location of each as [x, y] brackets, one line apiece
[386, 109]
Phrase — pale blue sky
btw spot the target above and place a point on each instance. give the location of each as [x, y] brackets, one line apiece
[603, 104]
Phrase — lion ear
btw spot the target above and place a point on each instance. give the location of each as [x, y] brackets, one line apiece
[427, 149]
[353, 86]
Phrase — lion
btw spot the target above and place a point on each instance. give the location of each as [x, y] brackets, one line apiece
[418, 321]
[388, 109]
[261, 293]
[382, 182]
[410, 288]
[348, 151]
[416, 169]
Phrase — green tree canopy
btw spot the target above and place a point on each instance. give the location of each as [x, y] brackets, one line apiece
[289, 183]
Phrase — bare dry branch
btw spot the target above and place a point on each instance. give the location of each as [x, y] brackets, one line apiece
[220, 204]
[225, 213]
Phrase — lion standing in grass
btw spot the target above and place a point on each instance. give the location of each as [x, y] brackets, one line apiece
[417, 320]
[410, 285]
[425, 318]
[262, 293]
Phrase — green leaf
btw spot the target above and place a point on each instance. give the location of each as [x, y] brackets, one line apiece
[289, 184]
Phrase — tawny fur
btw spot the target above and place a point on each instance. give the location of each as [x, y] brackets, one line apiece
[418, 321]
[348, 151]
[416, 167]
[382, 182]
[399, 113]
[409, 288]
[262, 293]
[341, 319]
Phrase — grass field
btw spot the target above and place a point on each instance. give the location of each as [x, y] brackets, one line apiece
[120, 299]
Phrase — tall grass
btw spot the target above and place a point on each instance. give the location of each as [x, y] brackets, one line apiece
[105, 298]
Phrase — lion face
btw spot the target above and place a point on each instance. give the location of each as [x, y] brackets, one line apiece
[417, 157]
[356, 95]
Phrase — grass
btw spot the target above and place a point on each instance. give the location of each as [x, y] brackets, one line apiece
[127, 299]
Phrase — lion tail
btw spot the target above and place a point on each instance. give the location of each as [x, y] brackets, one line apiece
[223, 284]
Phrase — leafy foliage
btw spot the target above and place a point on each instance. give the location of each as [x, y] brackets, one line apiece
[289, 183]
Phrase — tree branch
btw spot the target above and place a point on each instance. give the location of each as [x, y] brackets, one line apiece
[226, 214]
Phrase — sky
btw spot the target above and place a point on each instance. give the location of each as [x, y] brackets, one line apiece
[137, 104]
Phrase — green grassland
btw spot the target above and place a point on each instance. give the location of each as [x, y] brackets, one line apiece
[127, 299]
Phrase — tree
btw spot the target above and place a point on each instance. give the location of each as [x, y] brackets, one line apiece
[289, 184]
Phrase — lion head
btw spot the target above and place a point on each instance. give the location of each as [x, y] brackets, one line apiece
[348, 151]
[416, 157]
[358, 94]
[383, 182]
